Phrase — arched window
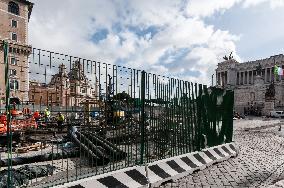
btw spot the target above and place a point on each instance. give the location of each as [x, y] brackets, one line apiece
[13, 8]
[14, 84]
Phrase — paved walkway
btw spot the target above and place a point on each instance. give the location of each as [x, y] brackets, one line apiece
[259, 164]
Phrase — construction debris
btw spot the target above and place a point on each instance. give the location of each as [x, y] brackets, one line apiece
[34, 147]
[21, 176]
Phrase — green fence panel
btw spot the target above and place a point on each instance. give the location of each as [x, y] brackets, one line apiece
[114, 117]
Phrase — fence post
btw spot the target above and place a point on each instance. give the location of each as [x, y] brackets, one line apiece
[8, 115]
[229, 101]
[142, 122]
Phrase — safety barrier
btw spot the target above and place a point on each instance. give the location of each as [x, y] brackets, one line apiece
[158, 172]
[134, 177]
[219, 153]
[174, 168]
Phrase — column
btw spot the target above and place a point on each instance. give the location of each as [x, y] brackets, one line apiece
[265, 75]
[238, 78]
[222, 78]
[226, 77]
[250, 77]
[243, 78]
[247, 72]
[271, 74]
[216, 76]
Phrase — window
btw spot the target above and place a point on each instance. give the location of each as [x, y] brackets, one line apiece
[14, 36]
[83, 90]
[14, 23]
[33, 97]
[13, 72]
[14, 84]
[13, 8]
[13, 61]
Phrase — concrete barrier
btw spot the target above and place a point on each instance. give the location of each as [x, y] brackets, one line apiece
[219, 153]
[158, 172]
[179, 166]
[130, 177]
[174, 168]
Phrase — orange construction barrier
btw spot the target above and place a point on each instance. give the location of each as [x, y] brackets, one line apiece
[3, 128]
[26, 111]
[14, 112]
[3, 118]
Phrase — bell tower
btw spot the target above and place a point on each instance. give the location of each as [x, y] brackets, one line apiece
[15, 15]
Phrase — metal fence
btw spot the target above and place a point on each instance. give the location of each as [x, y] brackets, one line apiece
[114, 117]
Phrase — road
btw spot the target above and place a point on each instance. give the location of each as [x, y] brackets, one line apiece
[259, 164]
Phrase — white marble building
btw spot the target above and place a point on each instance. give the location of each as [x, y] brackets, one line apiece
[249, 88]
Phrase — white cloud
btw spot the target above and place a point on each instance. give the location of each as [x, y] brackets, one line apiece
[205, 8]
[202, 8]
[273, 3]
[277, 3]
[67, 26]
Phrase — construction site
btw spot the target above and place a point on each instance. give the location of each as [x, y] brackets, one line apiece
[64, 118]
[79, 118]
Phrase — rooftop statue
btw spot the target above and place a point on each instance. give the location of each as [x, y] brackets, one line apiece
[228, 58]
[258, 69]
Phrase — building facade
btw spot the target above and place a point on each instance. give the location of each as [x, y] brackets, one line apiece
[15, 16]
[251, 80]
[64, 89]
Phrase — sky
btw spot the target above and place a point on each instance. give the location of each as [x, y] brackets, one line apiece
[178, 38]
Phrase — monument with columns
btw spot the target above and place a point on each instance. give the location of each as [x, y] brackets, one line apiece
[250, 81]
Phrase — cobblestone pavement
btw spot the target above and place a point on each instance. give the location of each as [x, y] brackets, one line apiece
[259, 164]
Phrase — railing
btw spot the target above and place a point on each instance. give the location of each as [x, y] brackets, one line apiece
[115, 117]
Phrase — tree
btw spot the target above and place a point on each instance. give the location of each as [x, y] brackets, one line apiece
[122, 96]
